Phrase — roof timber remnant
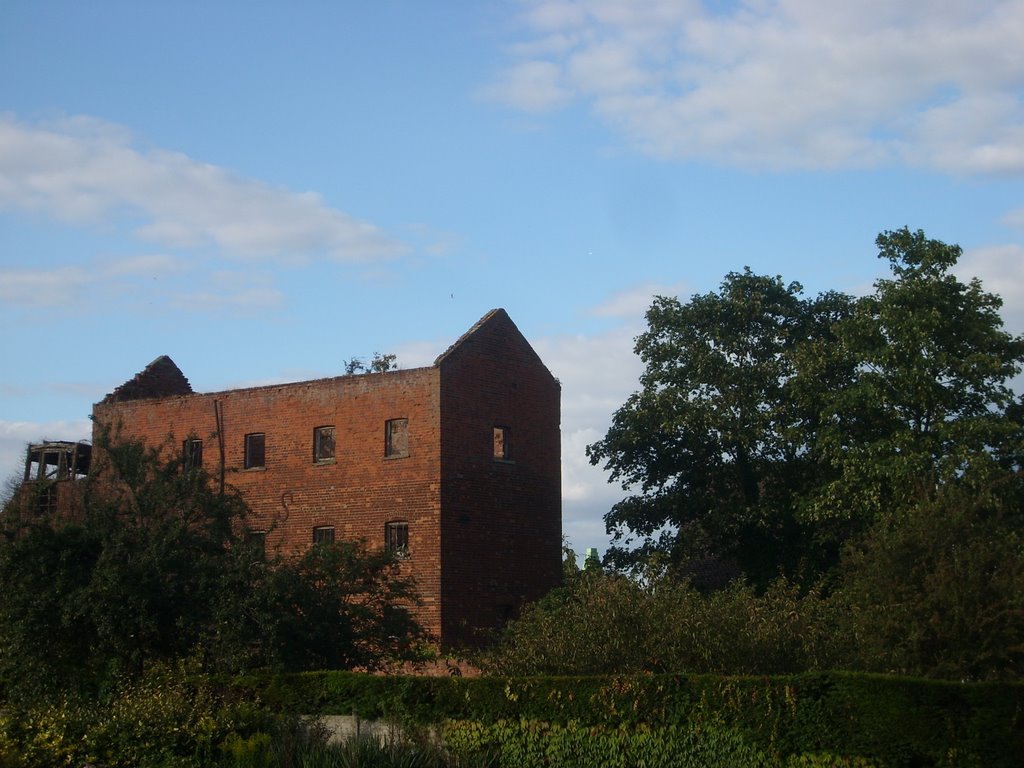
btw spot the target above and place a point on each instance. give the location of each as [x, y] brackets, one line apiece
[57, 460]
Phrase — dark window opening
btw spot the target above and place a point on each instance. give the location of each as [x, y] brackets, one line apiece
[46, 500]
[258, 541]
[192, 453]
[255, 450]
[504, 614]
[396, 438]
[323, 534]
[396, 538]
[323, 443]
[502, 444]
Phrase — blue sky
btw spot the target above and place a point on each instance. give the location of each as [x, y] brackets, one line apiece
[265, 190]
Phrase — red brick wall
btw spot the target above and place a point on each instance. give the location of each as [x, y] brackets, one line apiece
[484, 535]
[357, 493]
[501, 520]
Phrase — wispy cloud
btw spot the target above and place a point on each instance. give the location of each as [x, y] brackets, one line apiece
[231, 291]
[152, 279]
[85, 170]
[786, 83]
[145, 265]
[42, 288]
[1015, 219]
[633, 303]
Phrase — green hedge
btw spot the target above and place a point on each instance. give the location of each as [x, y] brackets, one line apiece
[888, 721]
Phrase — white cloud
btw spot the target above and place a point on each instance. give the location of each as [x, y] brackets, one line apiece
[85, 170]
[1015, 219]
[43, 288]
[231, 291]
[533, 86]
[138, 279]
[786, 83]
[146, 265]
[634, 302]
[597, 374]
[1001, 270]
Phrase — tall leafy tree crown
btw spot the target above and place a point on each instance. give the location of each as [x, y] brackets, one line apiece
[769, 427]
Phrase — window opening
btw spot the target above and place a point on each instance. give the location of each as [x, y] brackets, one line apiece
[323, 534]
[47, 500]
[323, 443]
[396, 538]
[258, 541]
[505, 614]
[192, 453]
[502, 444]
[396, 438]
[255, 450]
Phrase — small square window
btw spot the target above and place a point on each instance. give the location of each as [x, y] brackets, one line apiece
[396, 438]
[323, 534]
[255, 450]
[396, 538]
[502, 444]
[323, 444]
[192, 453]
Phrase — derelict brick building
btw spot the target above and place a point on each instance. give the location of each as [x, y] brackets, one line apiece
[455, 465]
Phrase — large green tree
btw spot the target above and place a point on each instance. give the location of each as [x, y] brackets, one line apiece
[930, 405]
[715, 443]
[769, 428]
[156, 564]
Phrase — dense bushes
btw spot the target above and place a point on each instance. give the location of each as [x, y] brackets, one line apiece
[610, 623]
[936, 590]
[157, 566]
[174, 719]
[809, 719]
[525, 744]
[166, 718]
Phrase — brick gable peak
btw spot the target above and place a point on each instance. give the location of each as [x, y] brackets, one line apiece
[493, 314]
[497, 320]
[161, 378]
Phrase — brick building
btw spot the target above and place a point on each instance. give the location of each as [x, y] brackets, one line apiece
[456, 466]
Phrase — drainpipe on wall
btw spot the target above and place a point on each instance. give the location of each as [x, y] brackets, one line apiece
[218, 413]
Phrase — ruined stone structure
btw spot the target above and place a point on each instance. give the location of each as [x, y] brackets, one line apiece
[455, 466]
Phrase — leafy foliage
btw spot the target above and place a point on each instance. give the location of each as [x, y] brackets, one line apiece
[929, 405]
[852, 467]
[614, 624]
[770, 429]
[338, 606]
[158, 566]
[524, 744]
[168, 717]
[939, 590]
[822, 719]
[379, 363]
[716, 440]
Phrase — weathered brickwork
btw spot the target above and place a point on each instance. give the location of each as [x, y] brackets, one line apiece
[484, 534]
[501, 537]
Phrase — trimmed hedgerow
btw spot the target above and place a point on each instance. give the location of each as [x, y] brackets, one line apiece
[813, 718]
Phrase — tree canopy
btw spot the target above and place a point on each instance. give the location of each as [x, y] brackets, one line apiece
[770, 428]
[158, 565]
